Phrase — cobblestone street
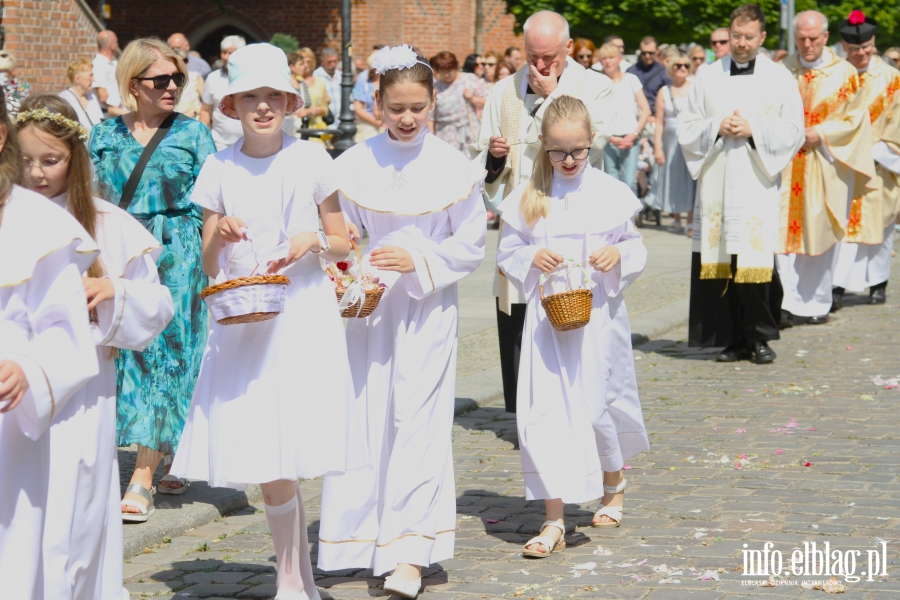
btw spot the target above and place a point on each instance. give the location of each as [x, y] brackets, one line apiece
[800, 451]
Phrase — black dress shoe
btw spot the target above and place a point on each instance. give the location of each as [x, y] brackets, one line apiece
[787, 320]
[877, 294]
[837, 299]
[761, 354]
[733, 353]
[821, 320]
[658, 216]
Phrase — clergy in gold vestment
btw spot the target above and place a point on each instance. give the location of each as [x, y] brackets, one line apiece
[833, 167]
[864, 255]
[508, 143]
[742, 126]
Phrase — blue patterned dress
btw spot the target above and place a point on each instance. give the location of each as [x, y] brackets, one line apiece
[155, 386]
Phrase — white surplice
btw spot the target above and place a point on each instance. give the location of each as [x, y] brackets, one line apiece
[424, 197]
[738, 197]
[44, 328]
[860, 266]
[83, 526]
[577, 409]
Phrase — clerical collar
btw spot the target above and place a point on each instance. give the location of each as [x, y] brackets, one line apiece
[814, 64]
[416, 142]
[743, 68]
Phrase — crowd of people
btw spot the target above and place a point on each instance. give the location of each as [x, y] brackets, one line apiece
[154, 173]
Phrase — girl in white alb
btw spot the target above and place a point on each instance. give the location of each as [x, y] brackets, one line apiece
[46, 355]
[578, 412]
[82, 542]
[272, 403]
[420, 201]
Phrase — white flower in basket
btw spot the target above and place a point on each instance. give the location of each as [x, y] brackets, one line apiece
[358, 293]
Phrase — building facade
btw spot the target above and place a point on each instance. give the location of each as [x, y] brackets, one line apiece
[45, 34]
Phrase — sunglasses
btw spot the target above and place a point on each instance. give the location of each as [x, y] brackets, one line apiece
[648, 53]
[585, 55]
[680, 66]
[490, 64]
[718, 42]
[161, 82]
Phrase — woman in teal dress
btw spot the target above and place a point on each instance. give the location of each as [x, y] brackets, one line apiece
[155, 386]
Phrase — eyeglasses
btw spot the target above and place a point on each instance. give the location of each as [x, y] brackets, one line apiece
[699, 59]
[161, 82]
[736, 37]
[560, 155]
[860, 47]
[585, 55]
[680, 66]
[45, 164]
[717, 42]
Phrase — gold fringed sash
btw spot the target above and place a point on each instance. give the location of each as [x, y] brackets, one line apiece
[715, 271]
[753, 275]
[884, 99]
[795, 208]
[854, 221]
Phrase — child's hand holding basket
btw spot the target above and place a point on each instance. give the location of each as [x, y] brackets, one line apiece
[358, 293]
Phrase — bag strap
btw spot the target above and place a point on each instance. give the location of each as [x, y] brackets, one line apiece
[672, 99]
[135, 178]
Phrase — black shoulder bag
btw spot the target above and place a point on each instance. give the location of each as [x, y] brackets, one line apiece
[135, 178]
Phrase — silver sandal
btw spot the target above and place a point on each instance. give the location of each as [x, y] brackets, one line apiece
[146, 511]
[167, 462]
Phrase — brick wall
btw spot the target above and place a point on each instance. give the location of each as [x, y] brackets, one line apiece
[44, 36]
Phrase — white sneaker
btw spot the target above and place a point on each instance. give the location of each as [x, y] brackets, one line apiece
[405, 588]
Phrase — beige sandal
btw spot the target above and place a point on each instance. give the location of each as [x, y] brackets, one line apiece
[613, 512]
[547, 541]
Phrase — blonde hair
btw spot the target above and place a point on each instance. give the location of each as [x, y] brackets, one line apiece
[308, 53]
[77, 66]
[7, 60]
[535, 201]
[139, 55]
[673, 56]
[608, 49]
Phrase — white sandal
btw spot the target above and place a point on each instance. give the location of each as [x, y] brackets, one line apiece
[167, 462]
[547, 541]
[405, 588]
[613, 512]
[146, 511]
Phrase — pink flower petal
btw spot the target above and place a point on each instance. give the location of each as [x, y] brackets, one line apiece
[742, 456]
[751, 390]
[779, 451]
[849, 347]
[493, 520]
[626, 468]
[811, 429]
[741, 431]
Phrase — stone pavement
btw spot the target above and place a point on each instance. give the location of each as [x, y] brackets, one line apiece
[804, 450]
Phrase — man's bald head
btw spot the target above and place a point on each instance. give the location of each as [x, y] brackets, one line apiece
[547, 41]
[106, 39]
[177, 41]
[810, 34]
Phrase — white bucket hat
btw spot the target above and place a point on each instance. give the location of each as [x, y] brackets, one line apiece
[256, 66]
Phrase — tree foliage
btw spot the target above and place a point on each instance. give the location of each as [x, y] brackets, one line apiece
[285, 41]
[682, 21]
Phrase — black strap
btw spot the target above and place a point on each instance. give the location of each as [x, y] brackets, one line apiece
[135, 178]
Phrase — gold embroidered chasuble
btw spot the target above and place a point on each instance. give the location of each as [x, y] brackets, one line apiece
[818, 186]
[871, 213]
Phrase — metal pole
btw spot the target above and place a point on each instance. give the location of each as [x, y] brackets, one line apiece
[792, 46]
[347, 125]
[785, 24]
[479, 26]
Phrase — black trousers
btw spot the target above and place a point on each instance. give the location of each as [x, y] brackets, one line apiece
[509, 330]
[723, 312]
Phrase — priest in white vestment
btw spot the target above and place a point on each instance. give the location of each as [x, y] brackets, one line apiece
[864, 255]
[833, 167]
[743, 124]
[44, 335]
[508, 143]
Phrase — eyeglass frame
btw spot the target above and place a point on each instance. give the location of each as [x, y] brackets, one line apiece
[717, 42]
[28, 165]
[586, 151]
[859, 47]
[736, 37]
[170, 78]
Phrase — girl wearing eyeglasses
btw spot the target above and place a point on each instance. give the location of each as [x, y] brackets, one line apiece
[578, 413]
[673, 191]
[155, 386]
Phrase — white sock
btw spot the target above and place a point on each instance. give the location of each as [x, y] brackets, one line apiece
[291, 549]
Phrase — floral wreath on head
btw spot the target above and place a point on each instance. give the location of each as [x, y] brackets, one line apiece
[396, 57]
[45, 114]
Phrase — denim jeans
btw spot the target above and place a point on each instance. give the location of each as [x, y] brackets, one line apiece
[622, 164]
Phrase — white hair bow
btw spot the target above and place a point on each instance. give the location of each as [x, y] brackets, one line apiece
[396, 57]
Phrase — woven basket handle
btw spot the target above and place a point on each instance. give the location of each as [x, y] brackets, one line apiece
[355, 247]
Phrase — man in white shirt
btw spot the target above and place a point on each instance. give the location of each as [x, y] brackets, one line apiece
[196, 64]
[105, 74]
[225, 130]
[331, 75]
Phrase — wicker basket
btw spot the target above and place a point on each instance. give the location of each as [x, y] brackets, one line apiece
[568, 310]
[247, 299]
[373, 297]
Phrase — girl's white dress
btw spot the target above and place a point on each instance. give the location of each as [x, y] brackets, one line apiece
[83, 527]
[44, 328]
[273, 399]
[578, 410]
[425, 197]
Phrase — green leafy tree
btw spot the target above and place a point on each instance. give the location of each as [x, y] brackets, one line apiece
[286, 42]
[683, 21]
